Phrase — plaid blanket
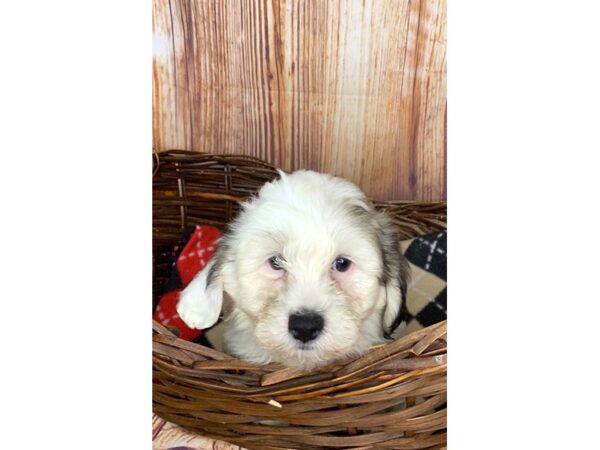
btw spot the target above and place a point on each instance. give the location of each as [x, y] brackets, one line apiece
[426, 294]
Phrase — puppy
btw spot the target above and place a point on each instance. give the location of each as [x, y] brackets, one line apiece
[312, 273]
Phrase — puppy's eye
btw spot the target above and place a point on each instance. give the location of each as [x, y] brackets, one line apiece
[341, 264]
[276, 263]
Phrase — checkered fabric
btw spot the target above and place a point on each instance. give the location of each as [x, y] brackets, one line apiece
[426, 295]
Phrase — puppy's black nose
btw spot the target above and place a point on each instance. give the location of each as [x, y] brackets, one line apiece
[306, 325]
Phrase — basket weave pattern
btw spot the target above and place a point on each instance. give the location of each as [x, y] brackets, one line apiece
[393, 397]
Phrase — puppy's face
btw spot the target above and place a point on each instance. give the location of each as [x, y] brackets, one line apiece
[314, 272]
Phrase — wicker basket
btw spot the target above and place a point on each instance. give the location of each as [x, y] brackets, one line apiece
[394, 397]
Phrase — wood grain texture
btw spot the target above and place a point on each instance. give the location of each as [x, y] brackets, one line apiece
[354, 88]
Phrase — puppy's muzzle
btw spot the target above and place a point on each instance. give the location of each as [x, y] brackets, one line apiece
[305, 325]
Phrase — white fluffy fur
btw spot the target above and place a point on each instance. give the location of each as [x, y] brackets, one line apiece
[310, 219]
[200, 305]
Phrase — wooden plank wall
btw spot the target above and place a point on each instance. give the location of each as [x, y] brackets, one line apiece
[356, 88]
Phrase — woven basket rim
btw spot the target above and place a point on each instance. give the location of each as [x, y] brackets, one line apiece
[439, 328]
[220, 396]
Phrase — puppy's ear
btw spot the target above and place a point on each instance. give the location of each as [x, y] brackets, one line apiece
[201, 301]
[395, 274]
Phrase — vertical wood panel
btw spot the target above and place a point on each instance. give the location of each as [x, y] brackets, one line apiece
[354, 88]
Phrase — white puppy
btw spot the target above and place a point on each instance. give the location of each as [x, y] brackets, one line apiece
[310, 271]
